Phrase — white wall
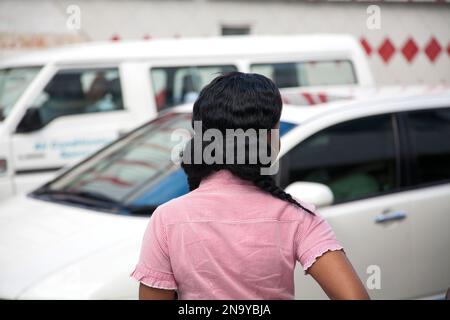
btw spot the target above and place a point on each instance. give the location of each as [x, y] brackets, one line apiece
[28, 24]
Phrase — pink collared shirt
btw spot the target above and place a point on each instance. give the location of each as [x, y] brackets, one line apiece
[229, 240]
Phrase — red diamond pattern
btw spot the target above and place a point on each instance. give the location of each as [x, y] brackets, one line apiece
[432, 49]
[366, 46]
[386, 50]
[410, 50]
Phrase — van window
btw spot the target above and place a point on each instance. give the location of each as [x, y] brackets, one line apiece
[177, 85]
[429, 132]
[231, 30]
[307, 73]
[72, 92]
[13, 82]
[355, 159]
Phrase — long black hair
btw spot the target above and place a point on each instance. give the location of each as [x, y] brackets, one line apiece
[237, 101]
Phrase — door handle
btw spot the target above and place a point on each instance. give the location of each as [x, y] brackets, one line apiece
[392, 216]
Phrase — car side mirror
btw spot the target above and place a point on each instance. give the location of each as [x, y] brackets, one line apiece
[315, 193]
[31, 121]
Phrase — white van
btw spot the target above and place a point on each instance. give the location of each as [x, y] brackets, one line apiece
[60, 105]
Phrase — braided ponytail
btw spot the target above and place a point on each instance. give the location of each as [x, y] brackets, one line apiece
[268, 184]
[197, 172]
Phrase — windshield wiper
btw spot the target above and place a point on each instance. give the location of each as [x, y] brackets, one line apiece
[81, 197]
[96, 200]
[143, 210]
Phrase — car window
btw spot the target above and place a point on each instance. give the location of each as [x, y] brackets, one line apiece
[177, 85]
[429, 132]
[307, 73]
[13, 82]
[72, 92]
[355, 159]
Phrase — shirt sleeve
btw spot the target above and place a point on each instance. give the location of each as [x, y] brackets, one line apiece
[153, 268]
[314, 238]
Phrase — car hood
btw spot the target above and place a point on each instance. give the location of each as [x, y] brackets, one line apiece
[39, 239]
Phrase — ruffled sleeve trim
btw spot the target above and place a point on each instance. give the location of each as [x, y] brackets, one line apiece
[154, 279]
[317, 252]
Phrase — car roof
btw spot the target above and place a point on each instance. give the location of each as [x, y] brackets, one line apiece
[298, 113]
[302, 114]
[188, 47]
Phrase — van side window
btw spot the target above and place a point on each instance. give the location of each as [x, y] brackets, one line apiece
[72, 92]
[355, 159]
[429, 132]
[13, 83]
[307, 73]
[177, 85]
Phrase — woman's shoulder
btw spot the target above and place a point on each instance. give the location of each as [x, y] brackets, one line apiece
[293, 212]
[173, 209]
[311, 207]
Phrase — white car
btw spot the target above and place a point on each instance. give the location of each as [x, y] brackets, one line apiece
[52, 102]
[377, 170]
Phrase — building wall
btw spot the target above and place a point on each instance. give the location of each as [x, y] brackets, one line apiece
[421, 29]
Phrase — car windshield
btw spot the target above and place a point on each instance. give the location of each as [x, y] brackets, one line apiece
[13, 82]
[134, 174]
[124, 167]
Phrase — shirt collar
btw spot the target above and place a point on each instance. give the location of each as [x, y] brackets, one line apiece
[224, 177]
